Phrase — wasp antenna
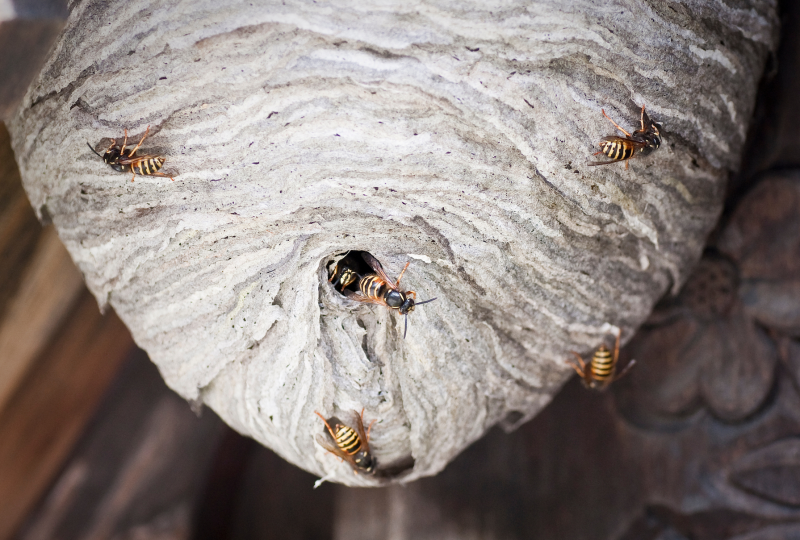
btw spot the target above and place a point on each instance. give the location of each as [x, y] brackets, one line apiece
[93, 150]
[406, 329]
[425, 302]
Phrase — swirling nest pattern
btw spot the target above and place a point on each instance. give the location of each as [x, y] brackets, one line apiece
[452, 134]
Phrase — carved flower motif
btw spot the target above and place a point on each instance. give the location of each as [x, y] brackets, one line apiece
[710, 346]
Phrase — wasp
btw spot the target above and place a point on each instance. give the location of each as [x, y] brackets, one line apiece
[378, 288]
[600, 371]
[642, 141]
[127, 161]
[343, 275]
[351, 445]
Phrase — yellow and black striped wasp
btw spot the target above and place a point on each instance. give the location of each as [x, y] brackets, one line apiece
[641, 142]
[127, 161]
[378, 288]
[351, 445]
[600, 371]
[342, 275]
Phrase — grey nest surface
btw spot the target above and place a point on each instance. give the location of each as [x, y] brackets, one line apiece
[453, 134]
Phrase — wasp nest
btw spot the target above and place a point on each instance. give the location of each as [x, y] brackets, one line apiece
[454, 135]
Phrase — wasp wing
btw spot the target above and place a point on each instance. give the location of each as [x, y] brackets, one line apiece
[360, 429]
[325, 442]
[636, 144]
[135, 160]
[358, 297]
[378, 268]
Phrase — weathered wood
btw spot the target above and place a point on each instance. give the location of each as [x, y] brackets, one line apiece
[138, 471]
[452, 135]
[44, 418]
[278, 502]
[44, 298]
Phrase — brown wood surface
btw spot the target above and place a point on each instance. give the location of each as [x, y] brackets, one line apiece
[45, 417]
[44, 297]
[139, 470]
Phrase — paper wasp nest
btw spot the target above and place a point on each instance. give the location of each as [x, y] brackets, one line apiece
[455, 135]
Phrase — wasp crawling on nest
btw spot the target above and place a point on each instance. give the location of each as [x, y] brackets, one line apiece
[641, 142]
[122, 160]
[374, 288]
[351, 445]
[601, 370]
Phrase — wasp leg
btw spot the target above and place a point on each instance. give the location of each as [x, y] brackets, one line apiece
[369, 428]
[162, 175]
[642, 118]
[140, 142]
[616, 345]
[124, 142]
[626, 163]
[397, 283]
[326, 425]
[579, 370]
[133, 177]
[624, 371]
[615, 124]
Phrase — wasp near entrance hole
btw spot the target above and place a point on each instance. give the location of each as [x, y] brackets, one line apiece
[600, 371]
[351, 445]
[122, 160]
[342, 275]
[378, 288]
[641, 142]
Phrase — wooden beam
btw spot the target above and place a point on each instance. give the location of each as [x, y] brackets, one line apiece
[48, 290]
[46, 415]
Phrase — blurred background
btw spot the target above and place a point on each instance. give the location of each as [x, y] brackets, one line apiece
[700, 441]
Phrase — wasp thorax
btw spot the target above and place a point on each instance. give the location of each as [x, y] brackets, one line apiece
[396, 299]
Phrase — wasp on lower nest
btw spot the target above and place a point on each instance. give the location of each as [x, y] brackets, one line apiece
[641, 142]
[127, 161]
[351, 445]
[600, 371]
[378, 288]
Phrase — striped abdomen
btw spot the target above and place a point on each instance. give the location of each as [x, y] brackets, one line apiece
[348, 440]
[372, 286]
[147, 166]
[603, 365]
[617, 150]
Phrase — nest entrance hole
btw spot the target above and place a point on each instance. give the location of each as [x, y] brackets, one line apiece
[339, 272]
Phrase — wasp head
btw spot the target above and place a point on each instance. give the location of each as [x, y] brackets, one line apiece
[408, 305]
[650, 132]
[365, 462]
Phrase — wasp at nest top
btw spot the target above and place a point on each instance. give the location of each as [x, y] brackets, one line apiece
[641, 142]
